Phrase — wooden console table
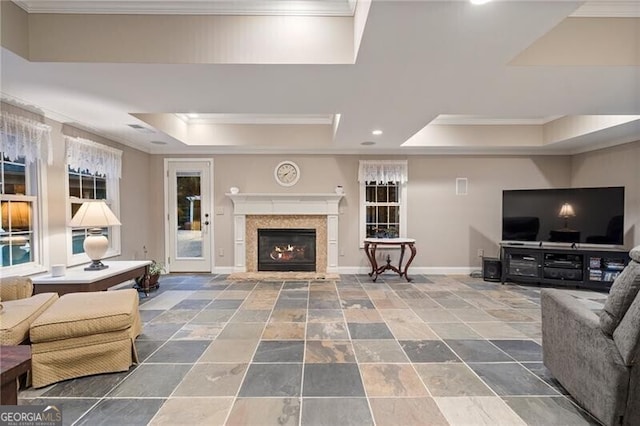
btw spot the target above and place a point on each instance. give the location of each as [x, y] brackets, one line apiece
[14, 362]
[370, 246]
[76, 279]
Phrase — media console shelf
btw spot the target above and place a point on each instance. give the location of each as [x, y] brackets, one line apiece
[589, 268]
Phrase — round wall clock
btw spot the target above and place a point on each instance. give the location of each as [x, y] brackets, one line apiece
[287, 173]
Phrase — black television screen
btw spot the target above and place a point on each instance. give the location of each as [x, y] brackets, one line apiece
[568, 215]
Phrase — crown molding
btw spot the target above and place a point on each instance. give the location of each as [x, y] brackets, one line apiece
[608, 9]
[193, 7]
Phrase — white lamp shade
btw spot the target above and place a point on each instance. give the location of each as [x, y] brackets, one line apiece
[566, 210]
[94, 214]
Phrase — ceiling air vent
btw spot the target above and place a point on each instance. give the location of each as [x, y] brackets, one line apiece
[140, 128]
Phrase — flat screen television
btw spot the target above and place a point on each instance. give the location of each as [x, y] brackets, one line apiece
[567, 215]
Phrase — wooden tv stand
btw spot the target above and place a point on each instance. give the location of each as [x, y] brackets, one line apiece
[593, 268]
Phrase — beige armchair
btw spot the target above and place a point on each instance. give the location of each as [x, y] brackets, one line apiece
[20, 308]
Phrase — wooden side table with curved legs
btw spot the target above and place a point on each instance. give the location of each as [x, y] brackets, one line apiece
[370, 246]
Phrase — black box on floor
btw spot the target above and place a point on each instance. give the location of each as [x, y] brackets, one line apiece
[491, 269]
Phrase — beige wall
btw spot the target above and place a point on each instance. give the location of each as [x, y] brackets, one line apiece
[436, 216]
[616, 166]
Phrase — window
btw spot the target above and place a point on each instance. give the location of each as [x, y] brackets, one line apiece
[383, 199]
[93, 173]
[382, 202]
[84, 186]
[17, 207]
[24, 145]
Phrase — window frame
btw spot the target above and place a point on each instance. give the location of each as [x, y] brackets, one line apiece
[402, 203]
[112, 200]
[36, 194]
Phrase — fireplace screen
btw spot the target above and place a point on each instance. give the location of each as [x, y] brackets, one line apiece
[287, 250]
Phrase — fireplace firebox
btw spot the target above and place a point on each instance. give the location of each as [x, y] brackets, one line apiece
[287, 250]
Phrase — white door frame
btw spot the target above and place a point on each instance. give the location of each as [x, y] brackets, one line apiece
[167, 230]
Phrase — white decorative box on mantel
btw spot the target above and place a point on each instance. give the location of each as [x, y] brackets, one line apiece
[245, 204]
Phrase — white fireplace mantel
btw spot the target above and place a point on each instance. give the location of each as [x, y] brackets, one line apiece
[284, 204]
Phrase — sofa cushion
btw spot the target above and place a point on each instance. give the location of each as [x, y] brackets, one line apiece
[86, 314]
[17, 316]
[622, 293]
[12, 288]
[627, 334]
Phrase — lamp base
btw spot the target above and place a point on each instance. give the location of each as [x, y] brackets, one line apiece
[96, 265]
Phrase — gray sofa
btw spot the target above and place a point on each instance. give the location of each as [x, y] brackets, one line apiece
[596, 358]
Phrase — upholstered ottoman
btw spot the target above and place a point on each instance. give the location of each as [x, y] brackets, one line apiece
[83, 334]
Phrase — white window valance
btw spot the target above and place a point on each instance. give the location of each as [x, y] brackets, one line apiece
[84, 154]
[22, 137]
[383, 171]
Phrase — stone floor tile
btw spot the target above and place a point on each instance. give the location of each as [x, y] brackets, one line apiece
[411, 330]
[448, 379]
[379, 351]
[428, 351]
[151, 381]
[229, 351]
[329, 351]
[327, 331]
[543, 411]
[512, 379]
[520, 350]
[477, 351]
[240, 331]
[369, 331]
[212, 380]
[265, 412]
[362, 315]
[477, 410]
[406, 412]
[272, 380]
[454, 330]
[332, 380]
[336, 411]
[391, 380]
[179, 352]
[280, 351]
[284, 331]
[200, 411]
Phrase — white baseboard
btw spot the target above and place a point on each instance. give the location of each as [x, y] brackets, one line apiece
[224, 270]
[427, 270]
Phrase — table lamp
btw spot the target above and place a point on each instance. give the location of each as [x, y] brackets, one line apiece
[566, 211]
[95, 215]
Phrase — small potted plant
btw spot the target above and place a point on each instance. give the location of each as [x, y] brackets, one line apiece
[155, 269]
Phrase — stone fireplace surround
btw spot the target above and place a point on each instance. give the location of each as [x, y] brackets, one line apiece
[253, 211]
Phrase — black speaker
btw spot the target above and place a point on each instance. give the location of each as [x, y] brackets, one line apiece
[491, 269]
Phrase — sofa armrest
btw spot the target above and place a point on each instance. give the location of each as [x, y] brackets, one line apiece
[14, 288]
[581, 357]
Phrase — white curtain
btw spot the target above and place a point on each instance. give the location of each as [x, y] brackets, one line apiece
[383, 171]
[84, 154]
[22, 137]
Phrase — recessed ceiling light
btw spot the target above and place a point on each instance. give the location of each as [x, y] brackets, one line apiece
[158, 142]
[480, 1]
[376, 132]
[367, 143]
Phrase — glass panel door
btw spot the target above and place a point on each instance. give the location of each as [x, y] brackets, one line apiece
[189, 216]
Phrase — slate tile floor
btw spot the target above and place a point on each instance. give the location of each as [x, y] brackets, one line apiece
[443, 350]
